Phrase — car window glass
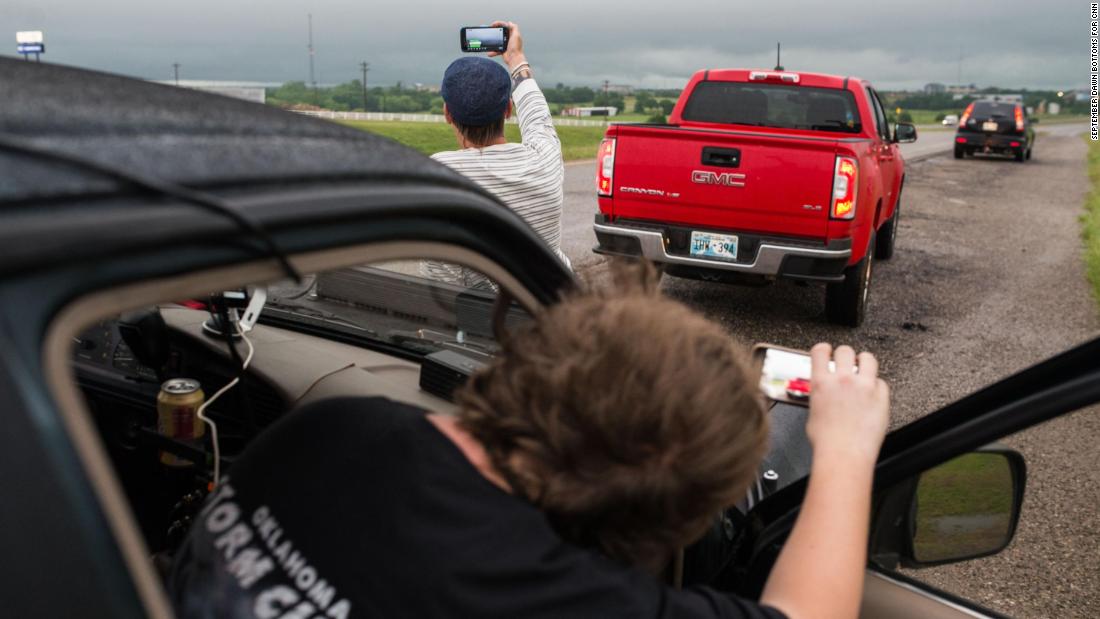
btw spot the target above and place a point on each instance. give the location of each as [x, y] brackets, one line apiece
[880, 116]
[419, 305]
[1049, 569]
[993, 109]
[774, 105]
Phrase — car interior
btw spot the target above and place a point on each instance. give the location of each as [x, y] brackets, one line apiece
[366, 323]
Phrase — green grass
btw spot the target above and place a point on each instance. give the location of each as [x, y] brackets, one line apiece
[964, 507]
[1090, 220]
[428, 138]
[928, 117]
[618, 118]
[1047, 119]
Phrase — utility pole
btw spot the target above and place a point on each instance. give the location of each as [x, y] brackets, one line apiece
[778, 65]
[312, 81]
[176, 68]
[364, 66]
[606, 84]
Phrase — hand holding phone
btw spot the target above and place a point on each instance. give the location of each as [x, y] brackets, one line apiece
[850, 411]
[503, 39]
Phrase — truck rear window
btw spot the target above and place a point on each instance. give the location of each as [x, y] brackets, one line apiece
[773, 105]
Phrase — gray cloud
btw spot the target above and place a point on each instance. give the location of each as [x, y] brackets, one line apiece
[1006, 43]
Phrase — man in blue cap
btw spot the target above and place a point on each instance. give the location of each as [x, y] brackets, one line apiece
[529, 176]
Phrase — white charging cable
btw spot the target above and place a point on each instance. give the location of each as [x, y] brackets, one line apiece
[210, 422]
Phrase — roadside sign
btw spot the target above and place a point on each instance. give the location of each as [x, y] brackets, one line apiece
[29, 42]
[29, 36]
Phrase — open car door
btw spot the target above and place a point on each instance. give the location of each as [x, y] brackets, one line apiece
[944, 490]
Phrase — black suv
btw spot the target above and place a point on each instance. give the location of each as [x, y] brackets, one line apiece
[995, 127]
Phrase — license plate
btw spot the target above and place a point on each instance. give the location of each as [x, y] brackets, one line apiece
[989, 125]
[716, 246]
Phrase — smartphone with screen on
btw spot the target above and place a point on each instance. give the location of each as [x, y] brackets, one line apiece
[483, 38]
[785, 373]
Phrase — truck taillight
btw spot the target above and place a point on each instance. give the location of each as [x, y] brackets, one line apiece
[605, 167]
[1019, 118]
[966, 115]
[845, 186]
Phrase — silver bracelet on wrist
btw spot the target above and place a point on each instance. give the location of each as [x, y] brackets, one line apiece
[519, 68]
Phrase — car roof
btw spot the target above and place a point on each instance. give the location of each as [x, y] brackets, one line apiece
[174, 134]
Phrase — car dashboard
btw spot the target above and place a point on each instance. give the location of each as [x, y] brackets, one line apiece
[289, 369]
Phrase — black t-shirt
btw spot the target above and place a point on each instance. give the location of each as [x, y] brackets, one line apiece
[362, 508]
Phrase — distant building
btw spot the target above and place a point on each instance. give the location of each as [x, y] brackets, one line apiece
[249, 91]
[1078, 95]
[426, 87]
[1054, 109]
[968, 89]
[590, 111]
[934, 88]
[620, 89]
[1009, 98]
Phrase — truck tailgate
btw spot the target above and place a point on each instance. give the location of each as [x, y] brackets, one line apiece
[724, 180]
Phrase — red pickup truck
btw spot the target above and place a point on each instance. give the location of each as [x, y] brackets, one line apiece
[759, 175]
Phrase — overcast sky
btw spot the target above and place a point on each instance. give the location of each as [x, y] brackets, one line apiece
[653, 43]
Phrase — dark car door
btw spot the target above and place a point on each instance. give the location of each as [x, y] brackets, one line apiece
[1051, 389]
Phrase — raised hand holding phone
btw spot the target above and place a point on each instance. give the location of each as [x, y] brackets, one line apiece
[849, 410]
[513, 51]
[820, 569]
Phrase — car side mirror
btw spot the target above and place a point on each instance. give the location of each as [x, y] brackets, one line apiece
[965, 508]
[905, 132]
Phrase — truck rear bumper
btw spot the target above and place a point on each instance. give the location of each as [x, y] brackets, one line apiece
[998, 142]
[766, 256]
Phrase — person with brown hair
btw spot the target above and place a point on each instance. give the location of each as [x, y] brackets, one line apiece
[605, 435]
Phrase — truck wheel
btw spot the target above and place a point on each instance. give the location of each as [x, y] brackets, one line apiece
[958, 152]
[1020, 155]
[846, 301]
[887, 233]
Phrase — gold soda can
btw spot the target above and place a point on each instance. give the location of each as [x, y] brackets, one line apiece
[178, 414]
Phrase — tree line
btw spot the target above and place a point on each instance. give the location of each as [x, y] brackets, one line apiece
[947, 101]
[399, 98]
[348, 97]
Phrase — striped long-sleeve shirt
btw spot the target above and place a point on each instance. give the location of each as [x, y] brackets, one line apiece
[528, 177]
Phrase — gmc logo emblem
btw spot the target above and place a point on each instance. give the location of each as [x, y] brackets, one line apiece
[728, 179]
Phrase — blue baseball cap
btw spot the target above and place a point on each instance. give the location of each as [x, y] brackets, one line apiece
[476, 90]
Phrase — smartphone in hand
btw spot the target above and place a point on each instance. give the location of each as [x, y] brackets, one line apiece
[785, 373]
[483, 38]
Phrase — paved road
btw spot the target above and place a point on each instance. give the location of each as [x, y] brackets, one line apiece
[580, 198]
[988, 278]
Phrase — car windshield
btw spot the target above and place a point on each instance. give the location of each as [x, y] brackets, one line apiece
[417, 306]
[774, 105]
